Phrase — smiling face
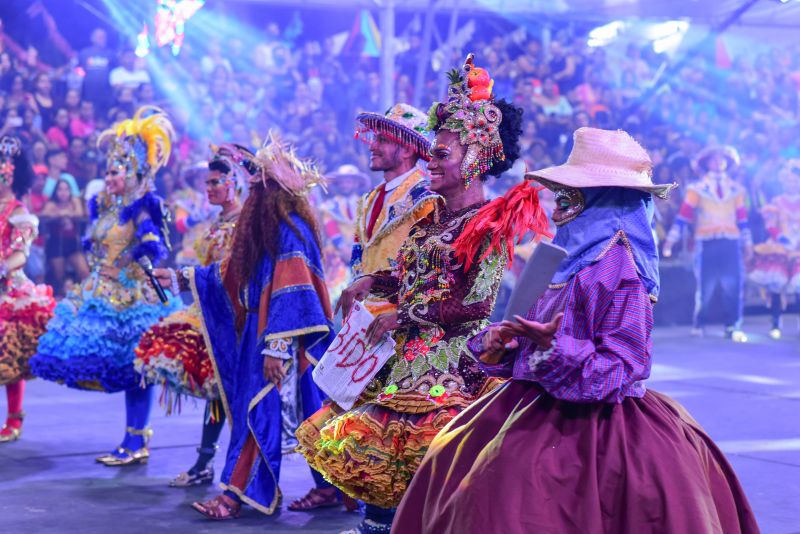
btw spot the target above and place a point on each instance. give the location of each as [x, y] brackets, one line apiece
[447, 153]
[384, 154]
[569, 204]
[115, 179]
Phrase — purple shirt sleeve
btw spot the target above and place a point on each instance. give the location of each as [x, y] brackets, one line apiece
[602, 350]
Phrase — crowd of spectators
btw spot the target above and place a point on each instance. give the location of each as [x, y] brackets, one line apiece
[229, 91]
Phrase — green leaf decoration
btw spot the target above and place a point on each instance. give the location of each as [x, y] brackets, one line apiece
[419, 367]
[454, 75]
[400, 370]
[438, 360]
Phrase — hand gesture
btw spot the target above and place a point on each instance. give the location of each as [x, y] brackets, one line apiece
[273, 370]
[496, 342]
[381, 325]
[357, 291]
[540, 334]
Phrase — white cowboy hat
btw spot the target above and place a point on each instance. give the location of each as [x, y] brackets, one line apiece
[603, 158]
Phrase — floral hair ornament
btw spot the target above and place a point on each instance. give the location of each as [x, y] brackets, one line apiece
[471, 113]
[10, 147]
[141, 144]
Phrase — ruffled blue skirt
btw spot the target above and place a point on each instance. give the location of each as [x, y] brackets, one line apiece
[92, 346]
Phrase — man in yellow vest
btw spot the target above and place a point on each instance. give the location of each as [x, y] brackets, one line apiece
[397, 143]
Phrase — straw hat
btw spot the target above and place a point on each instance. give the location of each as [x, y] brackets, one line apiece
[603, 158]
[349, 170]
[700, 163]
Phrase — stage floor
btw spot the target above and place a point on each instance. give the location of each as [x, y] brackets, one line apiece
[746, 396]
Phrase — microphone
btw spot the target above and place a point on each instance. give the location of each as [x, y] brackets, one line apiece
[147, 267]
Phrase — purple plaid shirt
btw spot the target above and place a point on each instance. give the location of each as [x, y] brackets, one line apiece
[602, 350]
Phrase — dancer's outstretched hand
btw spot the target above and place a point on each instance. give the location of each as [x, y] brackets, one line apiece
[273, 370]
[357, 291]
[380, 325]
[540, 333]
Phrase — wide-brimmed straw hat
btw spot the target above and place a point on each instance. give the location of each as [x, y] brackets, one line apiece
[603, 158]
[700, 162]
[348, 170]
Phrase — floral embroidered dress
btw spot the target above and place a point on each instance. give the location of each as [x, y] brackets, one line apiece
[372, 451]
[25, 307]
[89, 342]
[173, 352]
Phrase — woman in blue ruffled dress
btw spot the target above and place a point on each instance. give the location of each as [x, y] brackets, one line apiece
[89, 343]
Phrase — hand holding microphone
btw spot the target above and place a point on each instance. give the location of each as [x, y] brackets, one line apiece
[147, 267]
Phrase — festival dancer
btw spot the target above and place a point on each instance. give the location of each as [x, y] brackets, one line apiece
[173, 352]
[25, 307]
[371, 451]
[716, 205]
[89, 343]
[264, 308]
[574, 442]
[397, 141]
[777, 261]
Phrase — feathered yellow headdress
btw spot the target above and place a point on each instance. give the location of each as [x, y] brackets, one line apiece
[143, 144]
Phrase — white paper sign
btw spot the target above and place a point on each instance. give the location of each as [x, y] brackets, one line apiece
[348, 365]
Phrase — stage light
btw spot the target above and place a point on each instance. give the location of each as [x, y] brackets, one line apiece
[606, 34]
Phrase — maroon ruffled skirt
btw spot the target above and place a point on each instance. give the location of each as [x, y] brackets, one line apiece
[518, 461]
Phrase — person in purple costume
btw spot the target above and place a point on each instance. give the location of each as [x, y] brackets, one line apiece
[574, 441]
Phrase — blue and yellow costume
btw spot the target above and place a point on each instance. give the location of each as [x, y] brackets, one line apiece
[89, 343]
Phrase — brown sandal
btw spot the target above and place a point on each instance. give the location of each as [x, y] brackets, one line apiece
[220, 508]
[316, 498]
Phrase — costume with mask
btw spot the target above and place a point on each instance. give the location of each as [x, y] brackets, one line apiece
[90, 342]
[173, 353]
[25, 308]
[575, 442]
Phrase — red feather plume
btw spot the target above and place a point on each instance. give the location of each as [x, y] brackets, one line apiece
[506, 219]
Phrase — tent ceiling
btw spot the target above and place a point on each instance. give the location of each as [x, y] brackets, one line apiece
[764, 13]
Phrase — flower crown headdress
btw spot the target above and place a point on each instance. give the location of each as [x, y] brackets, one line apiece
[276, 161]
[10, 147]
[470, 112]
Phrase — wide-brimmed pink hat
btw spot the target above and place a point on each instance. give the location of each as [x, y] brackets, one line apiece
[603, 158]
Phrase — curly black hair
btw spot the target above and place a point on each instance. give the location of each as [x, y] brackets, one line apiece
[510, 132]
[23, 174]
